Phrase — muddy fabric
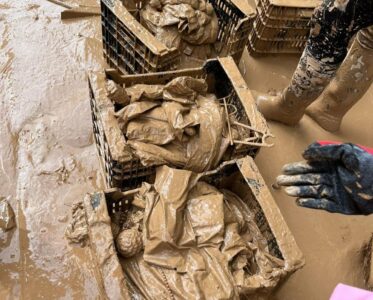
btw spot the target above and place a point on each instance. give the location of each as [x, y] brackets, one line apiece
[7, 217]
[204, 150]
[332, 26]
[132, 111]
[184, 89]
[365, 37]
[200, 243]
[336, 178]
[145, 92]
[187, 129]
[151, 127]
[149, 154]
[182, 24]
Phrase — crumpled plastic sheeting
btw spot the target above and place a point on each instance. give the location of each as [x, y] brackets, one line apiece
[200, 152]
[185, 130]
[200, 243]
[133, 110]
[204, 150]
[145, 92]
[182, 23]
[152, 127]
[7, 217]
[184, 89]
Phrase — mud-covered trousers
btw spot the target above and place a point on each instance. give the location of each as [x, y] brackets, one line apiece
[333, 25]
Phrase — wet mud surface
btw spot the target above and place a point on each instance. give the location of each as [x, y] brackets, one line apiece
[48, 160]
[47, 155]
[331, 243]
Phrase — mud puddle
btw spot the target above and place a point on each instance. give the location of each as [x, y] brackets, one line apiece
[47, 156]
[331, 243]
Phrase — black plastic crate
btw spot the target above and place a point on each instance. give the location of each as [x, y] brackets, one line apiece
[132, 49]
[125, 171]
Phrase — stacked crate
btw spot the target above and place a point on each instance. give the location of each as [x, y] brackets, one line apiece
[281, 26]
[131, 49]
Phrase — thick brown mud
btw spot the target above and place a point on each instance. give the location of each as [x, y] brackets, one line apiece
[332, 244]
[47, 155]
[48, 160]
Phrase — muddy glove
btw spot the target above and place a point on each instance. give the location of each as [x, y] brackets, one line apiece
[334, 177]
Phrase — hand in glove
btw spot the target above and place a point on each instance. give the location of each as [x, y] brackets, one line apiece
[334, 177]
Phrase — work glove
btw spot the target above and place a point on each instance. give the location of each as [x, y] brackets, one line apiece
[335, 177]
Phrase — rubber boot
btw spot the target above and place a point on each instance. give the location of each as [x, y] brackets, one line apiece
[308, 82]
[351, 82]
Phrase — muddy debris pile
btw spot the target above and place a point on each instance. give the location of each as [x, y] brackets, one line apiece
[183, 237]
[188, 25]
[196, 240]
[178, 124]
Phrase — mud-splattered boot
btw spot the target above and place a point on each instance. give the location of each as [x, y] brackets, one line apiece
[351, 82]
[308, 81]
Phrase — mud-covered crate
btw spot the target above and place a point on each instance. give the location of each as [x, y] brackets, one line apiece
[123, 169]
[257, 46]
[128, 46]
[285, 32]
[280, 13]
[132, 49]
[281, 26]
[241, 177]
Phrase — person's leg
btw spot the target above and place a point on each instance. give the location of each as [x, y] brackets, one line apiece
[352, 80]
[333, 25]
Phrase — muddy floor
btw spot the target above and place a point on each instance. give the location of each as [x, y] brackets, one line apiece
[48, 160]
[331, 243]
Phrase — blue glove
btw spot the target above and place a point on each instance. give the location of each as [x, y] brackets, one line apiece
[336, 178]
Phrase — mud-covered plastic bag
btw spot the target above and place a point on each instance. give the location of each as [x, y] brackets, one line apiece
[210, 238]
[183, 24]
[152, 127]
[145, 92]
[184, 89]
[178, 124]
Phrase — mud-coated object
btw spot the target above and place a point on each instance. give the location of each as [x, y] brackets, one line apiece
[132, 49]
[351, 82]
[7, 217]
[281, 26]
[241, 177]
[129, 242]
[123, 169]
[335, 177]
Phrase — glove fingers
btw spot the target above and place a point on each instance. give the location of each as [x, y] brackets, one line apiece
[318, 204]
[316, 152]
[302, 179]
[310, 191]
[304, 167]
